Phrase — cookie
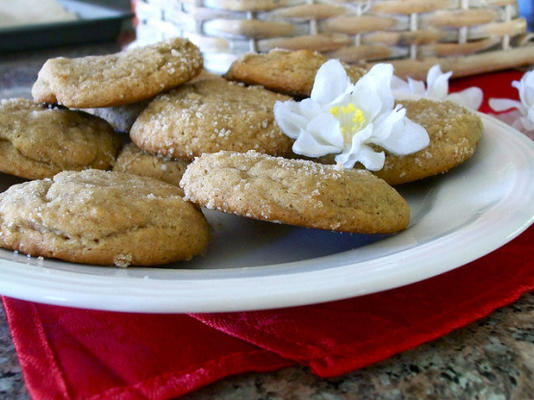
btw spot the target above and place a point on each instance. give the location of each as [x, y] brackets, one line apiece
[295, 192]
[37, 141]
[121, 118]
[282, 71]
[208, 116]
[135, 161]
[454, 134]
[101, 217]
[117, 79]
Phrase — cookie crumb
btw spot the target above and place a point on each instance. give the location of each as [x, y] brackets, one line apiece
[122, 260]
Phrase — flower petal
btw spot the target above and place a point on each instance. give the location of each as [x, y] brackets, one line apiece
[406, 137]
[470, 97]
[331, 82]
[307, 145]
[309, 108]
[509, 117]
[288, 117]
[367, 99]
[529, 88]
[526, 88]
[399, 84]
[360, 152]
[518, 124]
[504, 104]
[416, 87]
[437, 83]
[411, 90]
[385, 123]
[370, 159]
[372, 93]
[528, 120]
[365, 135]
[433, 73]
[321, 136]
[326, 130]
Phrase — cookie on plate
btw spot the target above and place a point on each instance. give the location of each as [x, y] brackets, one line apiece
[37, 141]
[101, 217]
[117, 79]
[295, 192]
[121, 118]
[135, 161]
[208, 116]
[282, 71]
[454, 134]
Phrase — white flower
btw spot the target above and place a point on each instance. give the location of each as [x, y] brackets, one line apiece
[437, 88]
[525, 119]
[345, 119]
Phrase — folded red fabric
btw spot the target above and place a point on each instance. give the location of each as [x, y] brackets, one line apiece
[336, 337]
[68, 353]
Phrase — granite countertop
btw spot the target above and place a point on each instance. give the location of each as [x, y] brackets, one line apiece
[492, 358]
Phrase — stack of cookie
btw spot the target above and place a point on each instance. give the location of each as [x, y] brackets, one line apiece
[75, 209]
[214, 136]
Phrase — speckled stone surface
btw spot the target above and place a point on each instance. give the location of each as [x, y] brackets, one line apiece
[11, 381]
[490, 359]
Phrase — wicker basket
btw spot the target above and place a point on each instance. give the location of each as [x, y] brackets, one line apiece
[465, 36]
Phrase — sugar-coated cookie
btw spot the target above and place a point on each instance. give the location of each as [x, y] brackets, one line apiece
[101, 217]
[117, 79]
[282, 71]
[454, 134]
[37, 141]
[135, 161]
[295, 192]
[208, 116]
[121, 118]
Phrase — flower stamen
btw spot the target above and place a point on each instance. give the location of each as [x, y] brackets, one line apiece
[351, 120]
[334, 111]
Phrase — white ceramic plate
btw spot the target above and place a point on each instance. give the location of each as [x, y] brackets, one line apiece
[456, 218]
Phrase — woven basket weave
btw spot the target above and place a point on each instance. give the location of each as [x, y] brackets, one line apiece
[465, 36]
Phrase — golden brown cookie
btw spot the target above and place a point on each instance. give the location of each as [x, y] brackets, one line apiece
[135, 161]
[101, 217]
[454, 134]
[208, 116]
[295, 192]
[37, 141]
[117, 79]
[121, 118]
[289, 72]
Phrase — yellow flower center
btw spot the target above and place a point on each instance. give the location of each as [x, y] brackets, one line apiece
[351, 120]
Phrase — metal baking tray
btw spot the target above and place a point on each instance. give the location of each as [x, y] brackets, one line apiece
[96, 23]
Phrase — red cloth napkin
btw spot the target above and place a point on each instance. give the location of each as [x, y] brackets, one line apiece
[68, 353]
